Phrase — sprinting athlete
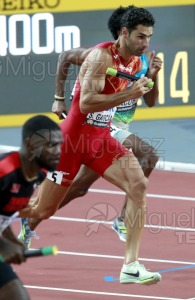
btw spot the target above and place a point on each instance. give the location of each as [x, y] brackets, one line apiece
[144, 152]
[20, 172]
[87, 139]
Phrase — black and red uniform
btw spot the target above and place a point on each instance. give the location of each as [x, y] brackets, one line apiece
[15, 193]
[15, 190]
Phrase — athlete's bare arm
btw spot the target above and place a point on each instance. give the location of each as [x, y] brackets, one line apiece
[73, 56]
[77, 56]
[11, 252]
[155, 65]
[92, 78]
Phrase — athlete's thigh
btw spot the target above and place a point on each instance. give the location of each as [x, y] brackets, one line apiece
[50, 195]
[139, 147]
[121, 135]
[10, 285]
[109, 153]
[124, 172]
[13, 290]
[85, 177]
[6, 273]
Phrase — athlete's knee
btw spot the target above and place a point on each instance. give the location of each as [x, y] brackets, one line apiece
[14, 289]
[48, 213]
[127, 143]
[140, 187]
[150, 159]
[45, 213]
[82, 183]
[137, 191]
[82, 192]
[79, 191]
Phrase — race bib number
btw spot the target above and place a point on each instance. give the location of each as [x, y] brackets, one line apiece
[55, 176]
[100, 119]
[127, 106]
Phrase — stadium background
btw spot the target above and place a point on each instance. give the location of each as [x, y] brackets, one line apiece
[170, 127]
[31, 40]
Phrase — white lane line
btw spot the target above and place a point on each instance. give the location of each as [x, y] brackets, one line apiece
[158, 196]
[98, 293]
[122, 257]
[158, 227]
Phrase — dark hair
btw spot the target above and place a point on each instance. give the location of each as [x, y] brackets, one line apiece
[37, 123]
[137, 16]
[114, 22]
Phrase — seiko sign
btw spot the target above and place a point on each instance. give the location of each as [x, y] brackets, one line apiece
[22, 33]
[10, 5]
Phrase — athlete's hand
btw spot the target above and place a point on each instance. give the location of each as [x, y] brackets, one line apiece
[139, 88]
[58, 107]
[9, 235]
[155, 64]
[11, 252]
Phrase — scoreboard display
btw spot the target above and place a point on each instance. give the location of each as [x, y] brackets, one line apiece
[33, 33]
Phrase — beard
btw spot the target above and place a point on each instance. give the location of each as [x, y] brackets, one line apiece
[43, 164]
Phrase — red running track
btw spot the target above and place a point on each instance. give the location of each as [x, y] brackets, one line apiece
[89, 252]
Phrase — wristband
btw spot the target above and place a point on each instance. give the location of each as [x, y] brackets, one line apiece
[59, 98]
